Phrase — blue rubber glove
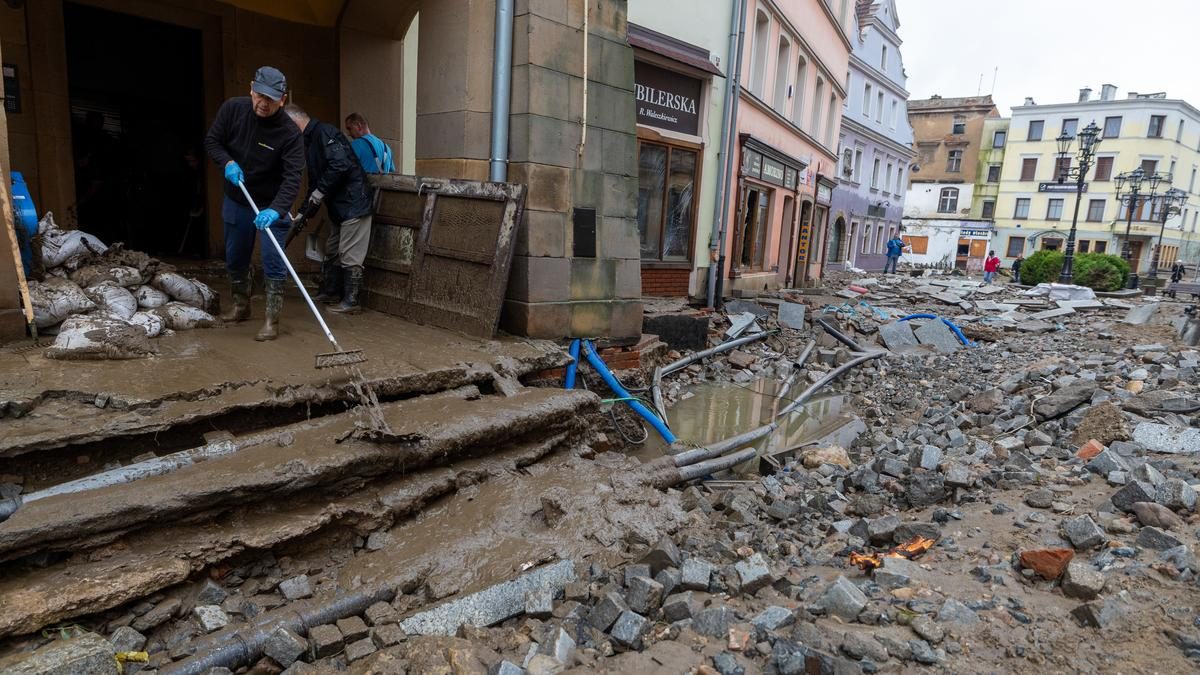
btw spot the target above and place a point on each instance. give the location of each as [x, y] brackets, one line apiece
[233, 173]
[266, 218]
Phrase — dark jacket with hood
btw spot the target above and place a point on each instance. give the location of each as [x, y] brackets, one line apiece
[333, 168]
[269, 150]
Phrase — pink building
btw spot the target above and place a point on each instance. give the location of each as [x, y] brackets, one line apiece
[794, 68]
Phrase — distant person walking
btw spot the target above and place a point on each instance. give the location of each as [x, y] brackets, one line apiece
[1016, 269]
[991, 265]
[1177, 272]
[895, 247]
[373, 154]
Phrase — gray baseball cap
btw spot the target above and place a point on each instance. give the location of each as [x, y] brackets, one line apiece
[269, 82]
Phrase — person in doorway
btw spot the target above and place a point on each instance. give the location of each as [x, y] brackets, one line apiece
[255, 143]
[336, 180]
[373, 154]
[895, 247]
[1016, 268]
[991, 265]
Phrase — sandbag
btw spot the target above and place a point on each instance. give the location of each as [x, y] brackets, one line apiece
[94, 337]
[181, 316]
[150, 298]
[56, 299]
[179, 288]
[93, 274]
[69, 248]
[152, 323]
[209, 298]
[114, 299]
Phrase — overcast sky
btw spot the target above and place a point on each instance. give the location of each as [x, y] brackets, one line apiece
[1049, 49]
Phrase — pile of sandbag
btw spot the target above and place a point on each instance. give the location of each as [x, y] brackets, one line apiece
[106, 302]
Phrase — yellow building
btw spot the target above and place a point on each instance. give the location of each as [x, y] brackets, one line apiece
[1033, 210]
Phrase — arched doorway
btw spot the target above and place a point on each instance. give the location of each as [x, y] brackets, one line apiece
[837, 239]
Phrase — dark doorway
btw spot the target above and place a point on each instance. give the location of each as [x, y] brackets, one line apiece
[137, 123]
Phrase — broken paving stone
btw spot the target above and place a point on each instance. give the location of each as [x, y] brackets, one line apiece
[211, 593]
[1083, 532]
[637, 570]
[560, 646]
[126, 639]
[538, 664]
[381, 613]
[1134, 491]
[843, 599]
[629, 628]
[296, 588]
[1064, 400]
[644, 595]
[1156, 515]
[352, 628]
[359, 650]
[791, 315]
[162, 612]
[210, 617]
[506, 668]
[862, 648]
[740, 359]
[753, 573]
[388, 635]
[1082, 581]
[607, 611]
[714, 621]
[1048, 563]
[669, 578]
[927, 629]
[738, 306]
[953, 611]
[696, 573]
[664, 554]
[925, 457]
[726, 663]
[679, 606]
[1154, 538]
[539, 602]
[925, 489]
[986, 402]
[284, 646]
[897, 335]
[1099, 614]
[939, 336]
[324, 640]
[896, 573]
[1041, 498]
[1167, 439]
[1148, 474]
[1106, 462]
[880, 530]
[1140, 316]
[1175, 493]
[773, 618]
[378, 540]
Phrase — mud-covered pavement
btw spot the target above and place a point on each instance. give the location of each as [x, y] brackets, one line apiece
[1052, 466]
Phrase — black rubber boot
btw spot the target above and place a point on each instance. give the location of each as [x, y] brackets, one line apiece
[270, 329]
[331, 283]
[353, 280]
[239, 286]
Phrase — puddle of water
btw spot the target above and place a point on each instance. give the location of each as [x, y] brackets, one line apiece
[716, 411]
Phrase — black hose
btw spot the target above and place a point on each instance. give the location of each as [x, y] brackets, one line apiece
[719, 464]
[838, 335]
[689, 457]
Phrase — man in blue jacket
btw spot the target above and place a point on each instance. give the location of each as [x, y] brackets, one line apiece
[374, 155]
[895, 247]
[336, 180]
[254, 142]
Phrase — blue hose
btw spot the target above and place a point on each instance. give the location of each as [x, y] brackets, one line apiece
[601, 368]
[573, 366]
[957, 331]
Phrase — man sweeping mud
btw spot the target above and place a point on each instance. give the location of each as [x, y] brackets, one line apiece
[255, 142]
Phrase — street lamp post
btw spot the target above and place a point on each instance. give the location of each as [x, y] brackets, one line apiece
[1089, 140]
[1132, 196]
[1169, 204]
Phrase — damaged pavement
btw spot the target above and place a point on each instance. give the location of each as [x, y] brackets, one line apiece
[987, 494]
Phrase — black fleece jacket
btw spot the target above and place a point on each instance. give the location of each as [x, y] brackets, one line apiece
[333, 169]
[269, 150]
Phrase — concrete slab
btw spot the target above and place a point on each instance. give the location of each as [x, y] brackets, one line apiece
[88, 654]
[492, 605]
[1081, 305]
[1140, 316]
[989, 290]
[216, 371]
[991, 306]
[1167, 439]
[1035, 327]
[897, 335]
[939, 336]
[737, 306]
[949, 298]
[739, 323]
[1052, 314]
[791, 315]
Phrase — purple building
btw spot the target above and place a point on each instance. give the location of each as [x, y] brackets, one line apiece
[875, 146]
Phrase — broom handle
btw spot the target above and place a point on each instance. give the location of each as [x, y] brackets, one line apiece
[292, 270]
[11, 227]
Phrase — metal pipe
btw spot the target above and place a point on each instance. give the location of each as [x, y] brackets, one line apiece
[705, 353]
[726, 147]
[501, 90]
[584, 118]
[735, 95]
[694, 455]
[702, 469]
[830, 377]
[806, 353]
[838, 335]
[233, 648]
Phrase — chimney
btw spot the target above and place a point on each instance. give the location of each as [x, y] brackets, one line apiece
[1132, 94]
[1029, 100]
[1085, 94]
[1108, 92]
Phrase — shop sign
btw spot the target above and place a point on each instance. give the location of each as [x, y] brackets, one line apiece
[802, 243]
[976, 233]
[1059, 187]
[824, 194]
[755, 165]
[666, 99]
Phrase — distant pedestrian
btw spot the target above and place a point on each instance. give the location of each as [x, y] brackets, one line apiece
[895, 247]
[991, 265]
[1176, 275]
[373, 154]
[1016, 268]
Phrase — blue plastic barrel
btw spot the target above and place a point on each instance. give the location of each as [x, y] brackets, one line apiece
[25, 217]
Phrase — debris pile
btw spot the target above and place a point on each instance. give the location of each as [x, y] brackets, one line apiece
[107, 302]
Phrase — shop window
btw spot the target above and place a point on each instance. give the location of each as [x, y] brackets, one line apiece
[919, 245]
[666, 196]
[1016, 247]
[1052, 244]
[755, 218]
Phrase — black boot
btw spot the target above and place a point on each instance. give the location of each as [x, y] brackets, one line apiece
[240, 289]
[270, 329]
[353, 279]
[331, 283]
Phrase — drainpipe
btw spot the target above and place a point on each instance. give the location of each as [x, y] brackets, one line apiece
[733, 93]
[501, 90]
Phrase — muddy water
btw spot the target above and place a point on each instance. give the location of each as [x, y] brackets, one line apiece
[716, 411]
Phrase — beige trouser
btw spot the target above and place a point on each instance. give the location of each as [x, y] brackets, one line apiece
[348, 242]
